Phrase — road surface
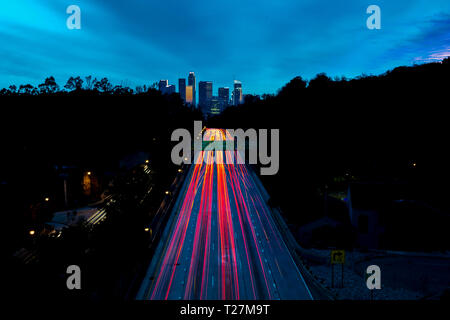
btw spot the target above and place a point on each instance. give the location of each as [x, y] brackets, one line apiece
[221, 241]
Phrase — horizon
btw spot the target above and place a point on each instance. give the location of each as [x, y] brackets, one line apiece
[264, 45]
[149, 83]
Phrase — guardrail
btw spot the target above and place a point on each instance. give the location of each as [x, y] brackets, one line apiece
[317, 290]
[157, 225]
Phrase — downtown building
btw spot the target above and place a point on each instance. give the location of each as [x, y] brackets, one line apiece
[188, 92]
[191, 83]
[209, 104]
[182, 88]
[224, 97]
[205, 94]
[190, 95]
[238, 97]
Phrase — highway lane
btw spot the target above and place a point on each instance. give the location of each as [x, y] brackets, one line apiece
[221, 241]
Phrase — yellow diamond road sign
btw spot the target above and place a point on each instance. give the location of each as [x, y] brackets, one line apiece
[337, 256]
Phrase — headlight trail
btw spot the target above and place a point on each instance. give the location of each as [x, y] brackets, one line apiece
[222, 241]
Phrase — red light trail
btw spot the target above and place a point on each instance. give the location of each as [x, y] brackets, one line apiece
[222, 242]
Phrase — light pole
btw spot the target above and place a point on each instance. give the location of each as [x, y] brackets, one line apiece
[66, 197]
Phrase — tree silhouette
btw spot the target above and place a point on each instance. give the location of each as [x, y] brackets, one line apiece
[103, 85]
[119, 90]
[295, 85]
[139, 89]
[369, 126]
[321, 81]
[27, 89]
[88, 83]
[250, 98]
[70, 84]
[74, 83]
[49, 86]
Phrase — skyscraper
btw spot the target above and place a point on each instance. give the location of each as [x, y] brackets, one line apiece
[170, 89]
[182, 88]
[191, 82]
[204, 94]
[189, 94]
[224, 97]
[237, 93]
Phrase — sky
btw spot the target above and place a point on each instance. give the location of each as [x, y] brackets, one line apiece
[263, 43]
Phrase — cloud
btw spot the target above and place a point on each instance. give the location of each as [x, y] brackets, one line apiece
[428, 44]
[263, 43]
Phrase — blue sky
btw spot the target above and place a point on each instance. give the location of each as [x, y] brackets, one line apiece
[262, 43]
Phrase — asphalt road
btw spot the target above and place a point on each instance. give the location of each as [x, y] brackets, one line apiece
[221, 241]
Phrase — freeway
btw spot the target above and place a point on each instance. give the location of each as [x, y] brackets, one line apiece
[221, 241]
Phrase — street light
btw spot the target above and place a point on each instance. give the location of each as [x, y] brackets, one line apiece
[147, 161]
[89, 173]
[167, 192]
[47, 199]
[146, 229]
[31, 232]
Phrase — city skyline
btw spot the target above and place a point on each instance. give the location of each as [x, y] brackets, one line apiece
[207, 101]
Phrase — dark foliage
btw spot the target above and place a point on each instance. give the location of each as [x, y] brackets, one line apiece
[370, 128]
[47, 128]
